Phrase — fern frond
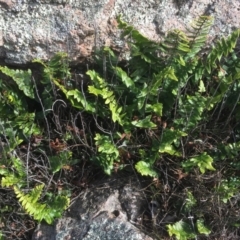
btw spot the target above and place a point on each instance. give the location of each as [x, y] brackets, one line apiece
[126, 80]
[19, 166]
[102, 89]
[40, 211]
[222, 48]
[191, 109]
[198, 34]
[18, 177]
[176, 43]
[143, 50]
[56, 67]
[22, 79]
[10, 180]
[76, 98]
[131, 31]
[108, 152]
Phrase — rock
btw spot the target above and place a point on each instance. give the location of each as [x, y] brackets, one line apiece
[39, 28]
[109, 210]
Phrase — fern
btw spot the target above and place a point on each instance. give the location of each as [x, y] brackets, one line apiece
[145, 165]
[22, 79]
[108, 153]
[203, 161]
[12, 101]
[144, 123]
[55, 69]
[60, 160]
[11, 179]
[126, 80]
[222, 48]
[76, 98]
[14, 98]
[169, 137]
[144, 52]
[15, 177]
[48, 211]
[191, 111]
[146, 169]
[101, 89]
[198, 34]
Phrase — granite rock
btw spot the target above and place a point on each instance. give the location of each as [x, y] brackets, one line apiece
[39, 28]
[111, 209]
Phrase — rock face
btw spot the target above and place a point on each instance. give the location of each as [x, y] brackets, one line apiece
[107, 210]
[39, 28]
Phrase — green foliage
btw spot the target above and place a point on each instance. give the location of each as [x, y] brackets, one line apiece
[58, 161]
[169, 137]
[190, 202]
[16, 177]
[202, 229]
[203, 161]
[190, 111]
[181, 230]
[145, 166]
[1, 236]
[222, 48]
[228, 151]
[108, 153]
[149, 109]
[160, 76]
[76, 98]
[13, 168]
[100, 88]
[144, 123]
[55, 69]
[47, 211]
[228, 188]
[13, 106]
[13, 102]
[145, 169]
[22, 79]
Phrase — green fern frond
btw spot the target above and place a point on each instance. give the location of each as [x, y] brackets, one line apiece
[108, 152]
[191, 109]
[131, 31]
[176, 42]
[102, 89]
[15, 177]
[19, 166]
[76, 98]
[40, 211]
[126, 80]
[56, 67]
[143, 50]
[222, 48]
[145, 168]
[11, 180]
[198, 34]
[22, 79]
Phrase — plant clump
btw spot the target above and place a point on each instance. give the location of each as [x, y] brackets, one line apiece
[171, 111]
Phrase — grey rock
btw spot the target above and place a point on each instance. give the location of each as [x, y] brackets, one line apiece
[108, 210]
[39, 28]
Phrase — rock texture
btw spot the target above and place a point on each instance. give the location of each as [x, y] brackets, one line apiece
[39, 28]
[107, 210]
